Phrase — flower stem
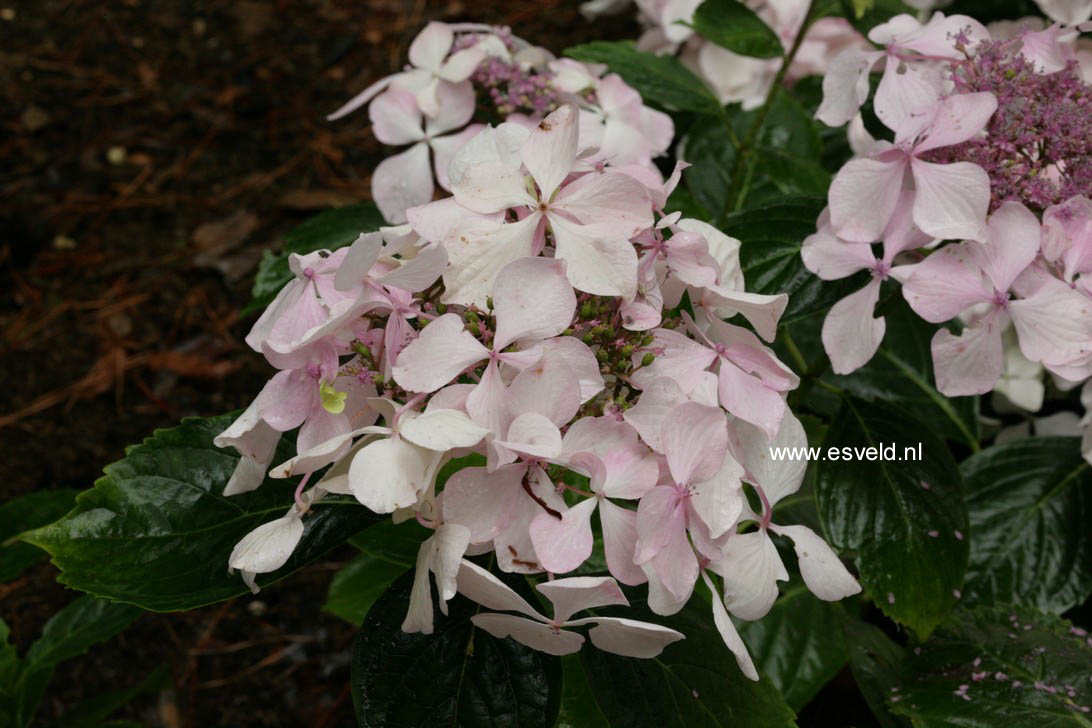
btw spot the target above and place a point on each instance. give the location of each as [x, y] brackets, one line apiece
[737, 193]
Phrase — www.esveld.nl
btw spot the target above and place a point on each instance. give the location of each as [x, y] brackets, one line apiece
[883, 452]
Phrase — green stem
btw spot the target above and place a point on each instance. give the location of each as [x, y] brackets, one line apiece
[737, 192]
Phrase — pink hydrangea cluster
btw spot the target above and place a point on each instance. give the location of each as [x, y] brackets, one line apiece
[534, 319]
[968, 114]
[430, 105]
[1038, 146]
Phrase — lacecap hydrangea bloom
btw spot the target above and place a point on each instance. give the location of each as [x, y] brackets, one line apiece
[979, 197]
[588, 349]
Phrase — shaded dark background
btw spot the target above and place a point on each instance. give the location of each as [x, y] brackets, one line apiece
[150, 150]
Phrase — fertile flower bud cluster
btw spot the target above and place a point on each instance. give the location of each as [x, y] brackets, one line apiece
[551, 321]
[978, 126]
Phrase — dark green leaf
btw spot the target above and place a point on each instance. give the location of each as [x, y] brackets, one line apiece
[905, 519]
[770, 256]
[75, 628]
[875, 661]
[732, 25]
[797, 644]
[694, 682]
[710, 154]
[1030, 504]
[1015, 666]
[578, 706]
[785, 163]
[156, 530]
[328, 230]
[387, 550]
[22, 514]
[458, 676]
[660, 79]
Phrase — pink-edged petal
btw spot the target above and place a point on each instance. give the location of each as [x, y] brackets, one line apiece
[487, 402]
[728, 633]
[845, 85]
[533, 434]
[620, 542]
[718, 501]
[751, 569]
[419, 613]
[959, 117]
[419, 272]
[611, 198]
[951, 199]
[402, 181]
[937, 37]
[659, 516]
[481, 586]
[431, 46]
[396, 120]
[251, 436]
[492, 146]
[566, 543]
[577, 593]
[749, 399]
[831, 258]
[286, 399]
[268, 547]
[1012, 244]
[947, 283]
[629, 469]
[538, 636]
[450, 542]
[777, 477]
[659, 397]
[969, 363]
[483, 502]
[362, 255]
[433, 221]
[677, 565]
[442, 430]
[907, 96]
[549, 152]
[689, 259]
[389, 474]
[851, 335]
[629, 637]
[678, 358]
[445, 148]
[361, 98]
[546, 388]
[442, 350]
[580, 362]
[863, 196]
[1054, 325]
[478, 250]
[456, 107]
[761, 311]
[824, 574]
[515, 552]
[599, 259]
[695, 441]
[461, 64]
[532, 299]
